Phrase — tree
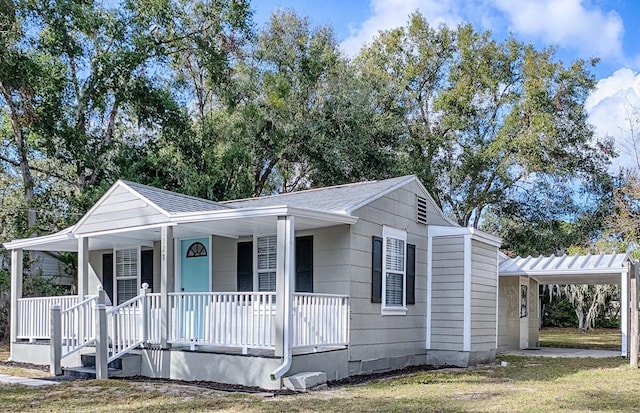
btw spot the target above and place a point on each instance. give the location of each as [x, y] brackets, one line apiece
[485, 119]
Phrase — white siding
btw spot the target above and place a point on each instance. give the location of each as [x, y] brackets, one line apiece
[374, 336]
[331, 259]
[122, 209]
[483, 296]
[447, 293]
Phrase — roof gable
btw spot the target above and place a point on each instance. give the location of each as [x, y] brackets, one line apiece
[120, 207]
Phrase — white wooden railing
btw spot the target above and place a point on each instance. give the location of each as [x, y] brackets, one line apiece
[131, 324]
[320, 320]
[244, 320]
[34, 321]
[77, 326]
[154, 321]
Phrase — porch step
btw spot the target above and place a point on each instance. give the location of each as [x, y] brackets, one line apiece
[306, 381]
[125, 366]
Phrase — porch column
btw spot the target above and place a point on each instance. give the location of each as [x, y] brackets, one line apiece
[83, 268]
[285, 267]
[16, 290]
[166, 281]
[625, 300]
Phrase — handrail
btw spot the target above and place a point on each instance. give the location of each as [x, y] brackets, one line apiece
[77, 327]
[125, 322]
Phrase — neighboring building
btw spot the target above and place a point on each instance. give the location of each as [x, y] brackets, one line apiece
[344, 280]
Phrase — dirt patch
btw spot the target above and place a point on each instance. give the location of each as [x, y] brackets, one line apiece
[211, 385]
[366, 378]
[29, 366]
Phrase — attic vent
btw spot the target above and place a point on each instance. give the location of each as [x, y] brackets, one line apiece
[421, 209]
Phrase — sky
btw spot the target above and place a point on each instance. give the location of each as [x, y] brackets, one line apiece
[606, 29]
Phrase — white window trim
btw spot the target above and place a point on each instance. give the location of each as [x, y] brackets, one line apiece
[115, 270]
[256, 277]
[390, 232]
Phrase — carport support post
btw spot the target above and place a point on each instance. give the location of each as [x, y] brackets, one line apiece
[625, 299]
[633, 353]
[166, 281]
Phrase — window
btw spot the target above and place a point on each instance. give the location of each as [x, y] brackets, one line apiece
[266, 263]
[394, 271]
[197, 249]
[127, 274]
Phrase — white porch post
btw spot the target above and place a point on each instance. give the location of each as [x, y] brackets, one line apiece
[166, 281]
[83, 268]
[625, 298]
[16, 290]
[285, 284]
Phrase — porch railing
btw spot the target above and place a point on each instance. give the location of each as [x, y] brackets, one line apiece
[126, 326]
[77, 325]
[247, 320]
[223, 319]
[242, 320]
[34, 317]
[320, 320]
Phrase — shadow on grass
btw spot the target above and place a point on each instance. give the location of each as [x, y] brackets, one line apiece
[605, 400]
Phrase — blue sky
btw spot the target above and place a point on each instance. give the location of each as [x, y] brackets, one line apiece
[608, 29]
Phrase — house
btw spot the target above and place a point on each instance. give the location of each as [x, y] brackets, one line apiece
[340, 281]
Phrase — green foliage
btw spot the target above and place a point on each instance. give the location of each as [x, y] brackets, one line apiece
[559, 313]
[487, 122]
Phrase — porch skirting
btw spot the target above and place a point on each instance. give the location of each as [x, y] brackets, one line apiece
[178, 364]
[460, 358]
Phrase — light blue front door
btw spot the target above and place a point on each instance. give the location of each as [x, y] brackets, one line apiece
[194, 265]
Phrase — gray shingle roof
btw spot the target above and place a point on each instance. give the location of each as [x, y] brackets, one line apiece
[173, 202]
[339, 198]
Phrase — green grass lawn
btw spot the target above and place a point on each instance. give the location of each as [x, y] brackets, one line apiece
[524, 385]
[601, 339]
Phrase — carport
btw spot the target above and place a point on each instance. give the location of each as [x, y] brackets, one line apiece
[519, 278]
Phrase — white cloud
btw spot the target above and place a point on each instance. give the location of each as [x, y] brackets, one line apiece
[567, 23]
[389, 14]
[611, 106]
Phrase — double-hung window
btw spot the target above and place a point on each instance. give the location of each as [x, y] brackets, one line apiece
[127, 274]
[266, 263]
[394, 271]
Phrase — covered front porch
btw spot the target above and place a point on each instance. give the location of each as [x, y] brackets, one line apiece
[248, 296]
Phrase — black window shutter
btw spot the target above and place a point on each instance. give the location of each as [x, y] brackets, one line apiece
[304, 264]
[376, 270]
[146, 268]
[411, 274]
[245, 266]
[107, 275]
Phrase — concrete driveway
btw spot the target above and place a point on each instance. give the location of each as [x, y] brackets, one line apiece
[555, 352]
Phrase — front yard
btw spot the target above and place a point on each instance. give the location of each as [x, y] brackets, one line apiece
[525, 384]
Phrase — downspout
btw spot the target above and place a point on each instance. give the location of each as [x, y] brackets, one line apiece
[287, 230]
[286, 364]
